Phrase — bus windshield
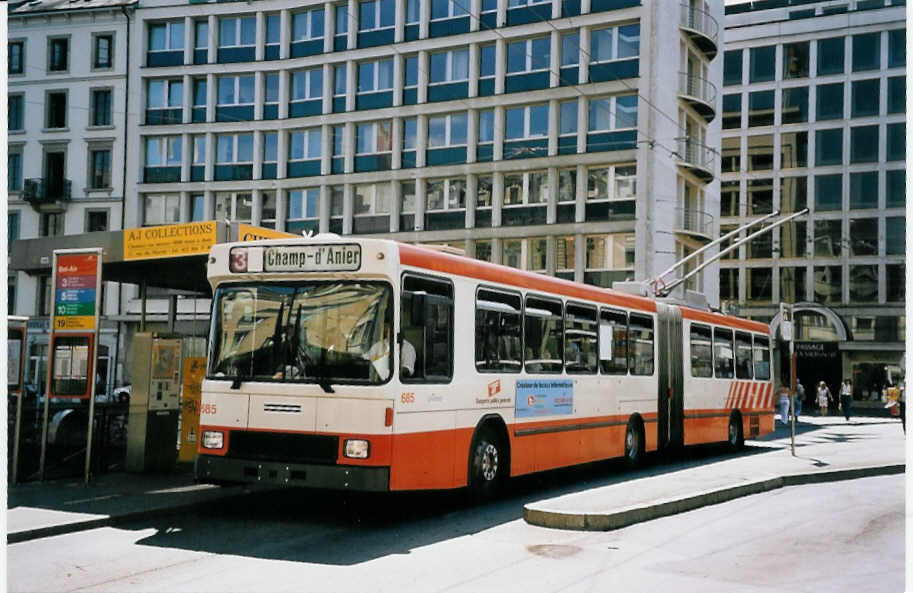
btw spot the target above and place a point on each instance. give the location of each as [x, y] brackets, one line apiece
[307, 332]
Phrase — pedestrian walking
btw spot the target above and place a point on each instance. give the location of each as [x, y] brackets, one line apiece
[783, 403]
[846, 398]
[800, 395]
[824, 397]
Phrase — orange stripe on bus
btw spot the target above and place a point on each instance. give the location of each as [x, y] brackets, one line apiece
[420, 257]
[724, 320]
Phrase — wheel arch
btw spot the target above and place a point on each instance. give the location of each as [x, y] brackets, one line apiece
[496, 424]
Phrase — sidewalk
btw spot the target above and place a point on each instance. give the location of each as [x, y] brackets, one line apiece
[827, 449]
[42, 509]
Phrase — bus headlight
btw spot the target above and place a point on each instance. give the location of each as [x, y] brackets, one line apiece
[212, 439]
[357, 448]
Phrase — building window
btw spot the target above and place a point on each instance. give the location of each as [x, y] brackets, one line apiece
[234, 149]
[732, 111]
[617, 182]
[14, 171]
[342, 19]
[12, 228]
[759, 282]
[236, 90]
[372, 199]
[567, 124]
[445, 194]
[237, 31]
[897, 48]
[270, 147]
[731, 155]
[864, 190]
[793, 194]
[828, 192]
[199, 150]
[307, 26]
[897, 94]
[830, 101]
[894, 235]
[867, 51]
[303, 204]
[792, 284]
[894, 285]
[413, 12]
[449, 66]
[487, 60]
[863, 236]
[199, 93]
[57, 110]
[526, 188]
[570, 49]
[340, 83]
[526, 122]
[794, 108]
[828, 284]
[896, 149]
[14, 111]
[760, 198]
[159, 209]
[50, 224]
[895, 190]
[375, 76]
[795, 60]
[865, 97]
[828, 238]
[59, 54]
[760, 108]
[165, 94]
[829, 147]
[864, 144]
[793, 150]
[831, 56]
[376, 14]
[446, 9]
[447, 130]
[100, 169]
[16, 57]
[732, 67]
[102, 56]
[201, 35]
[761, 152]
[373, 138]
[96, 220]
[234, 206]
[163, 151]
[612, 113]
[270, 89]
[729, 198]
[486, 126]
[166, 36]
[101, 107]
[762, 63]
[794, 239]
[305, 145]
[529, 55]
[44, 297]
[617, 43]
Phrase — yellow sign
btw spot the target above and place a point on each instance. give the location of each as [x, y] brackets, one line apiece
[248, 232]
[173, 240]
[194, 369]
[75, 322]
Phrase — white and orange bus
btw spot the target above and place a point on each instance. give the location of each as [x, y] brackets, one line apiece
[367, 364]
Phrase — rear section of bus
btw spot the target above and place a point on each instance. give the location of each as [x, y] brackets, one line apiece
[298, 384]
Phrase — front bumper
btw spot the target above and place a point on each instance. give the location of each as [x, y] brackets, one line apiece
[210, 468]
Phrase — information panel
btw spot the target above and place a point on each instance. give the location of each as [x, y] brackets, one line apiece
[75, 291]
[544, 397]
[173, 240]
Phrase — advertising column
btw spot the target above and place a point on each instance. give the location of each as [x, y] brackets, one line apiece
[76, 278]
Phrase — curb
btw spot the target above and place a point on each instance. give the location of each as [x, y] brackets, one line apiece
[75, 526]
[637, 514]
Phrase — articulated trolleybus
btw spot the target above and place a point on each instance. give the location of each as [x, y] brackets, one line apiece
[367, 364]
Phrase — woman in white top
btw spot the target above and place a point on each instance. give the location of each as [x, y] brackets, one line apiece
[846, 397]
[824, 397]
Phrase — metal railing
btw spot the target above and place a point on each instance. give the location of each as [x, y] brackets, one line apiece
[700, 21]
[693, 220]
[696, 154]
[46, 190]
[698, 87]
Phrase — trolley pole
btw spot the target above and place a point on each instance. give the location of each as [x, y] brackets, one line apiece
[786, 332]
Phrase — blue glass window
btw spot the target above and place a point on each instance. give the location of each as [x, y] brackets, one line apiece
[762, 63]
[866, 51]
[732, 67]
[308, 25]
[831, 56]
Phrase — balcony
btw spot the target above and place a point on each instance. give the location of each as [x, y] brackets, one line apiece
[701, 28]
[699, 93]
[693, 222]
[696, 158]
[47, 194]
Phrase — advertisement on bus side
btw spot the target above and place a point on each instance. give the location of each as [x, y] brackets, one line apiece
[544, 397]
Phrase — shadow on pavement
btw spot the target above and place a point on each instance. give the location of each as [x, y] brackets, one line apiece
[349, 528]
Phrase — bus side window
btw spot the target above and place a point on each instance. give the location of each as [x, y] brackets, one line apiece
[722, 353]
[743, 356]
[761, 358]
[701, 351]
[426, 331]
[543, 335]
[640, 343]
[498, 332]
[613, 342]
[580, 339]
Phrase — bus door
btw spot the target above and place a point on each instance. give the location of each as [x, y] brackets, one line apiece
[670, 379]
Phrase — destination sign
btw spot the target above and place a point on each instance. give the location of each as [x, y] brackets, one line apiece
[312, 258]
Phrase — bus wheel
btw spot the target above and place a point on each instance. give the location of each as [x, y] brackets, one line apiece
[486, 466]
[634, 443]
[735, 439]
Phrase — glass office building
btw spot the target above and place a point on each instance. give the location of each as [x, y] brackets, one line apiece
[813, 104]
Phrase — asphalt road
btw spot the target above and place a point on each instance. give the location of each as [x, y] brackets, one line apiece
[840, 536]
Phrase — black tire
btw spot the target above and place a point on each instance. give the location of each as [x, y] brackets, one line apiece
[487, 465]
[634, 443]
[735, 439]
